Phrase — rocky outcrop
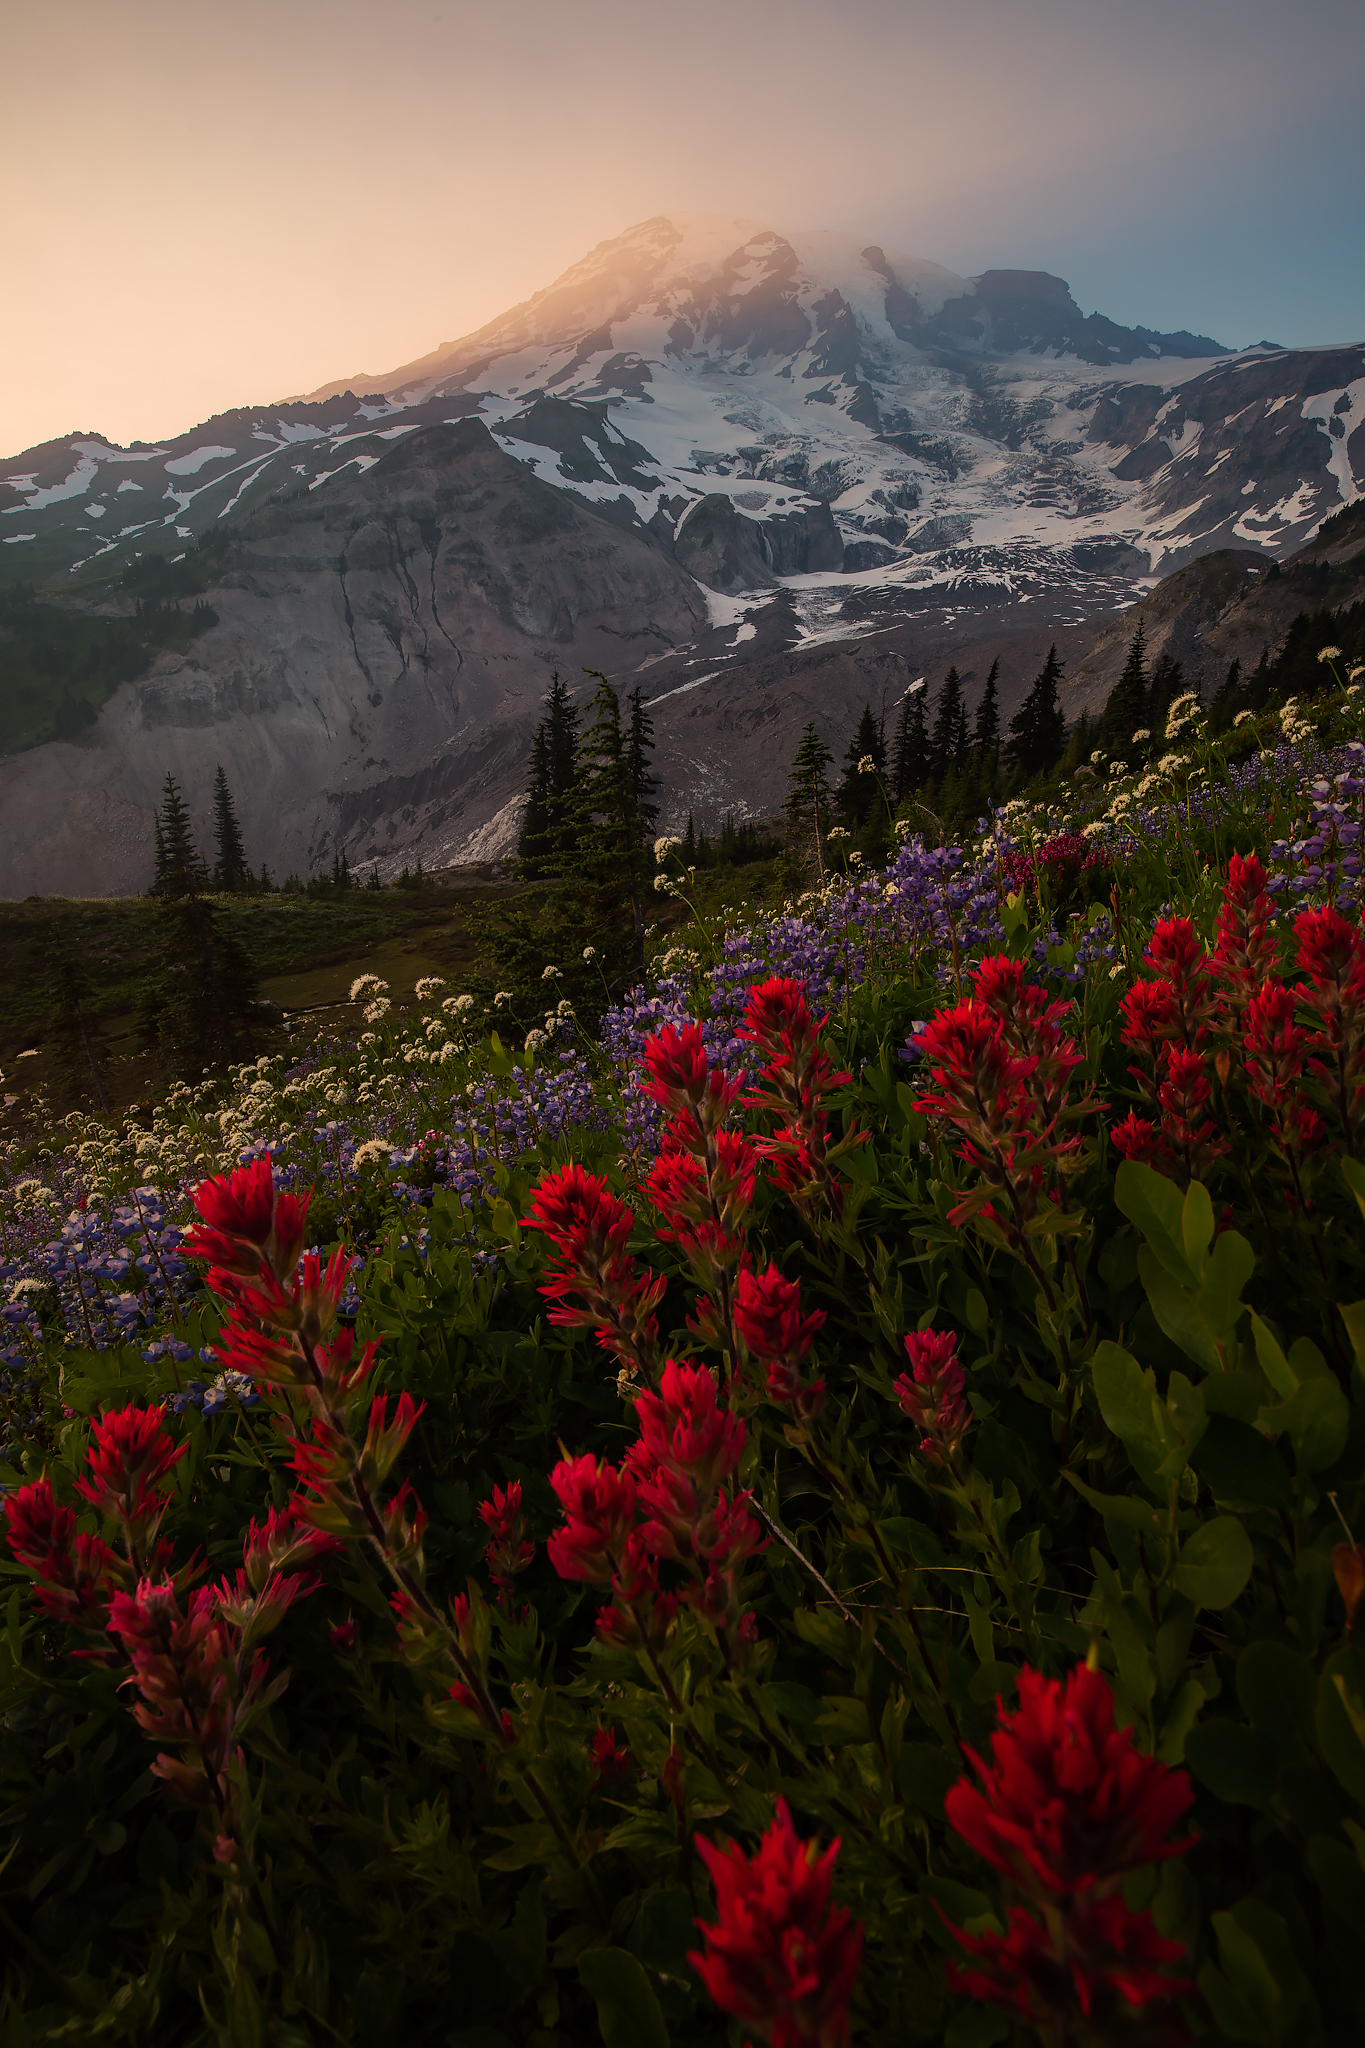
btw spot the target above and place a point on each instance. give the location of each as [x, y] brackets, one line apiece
[380, 656]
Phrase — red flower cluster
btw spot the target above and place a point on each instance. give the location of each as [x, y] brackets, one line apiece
[593, 1280]
[668, 1502]
[1061, 863]
[75, 1573]
[932, 1395]
[702, 1182]
[1224, 1011]
[1067, 1808]
[769, 1319]
[798, 1074]
[780, 1957]
[1002, 1074]
[130, 1460]
[508, 1552]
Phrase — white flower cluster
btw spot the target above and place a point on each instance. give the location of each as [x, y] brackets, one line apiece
[366, 985]
[428, 986]
[379, 1008]
[1241, 718]
[663, 847]
[458, 1006]
[1329, 654]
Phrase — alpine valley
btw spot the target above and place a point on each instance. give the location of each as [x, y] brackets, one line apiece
[770, 477]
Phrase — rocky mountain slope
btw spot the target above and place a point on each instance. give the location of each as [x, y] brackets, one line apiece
[768, 476]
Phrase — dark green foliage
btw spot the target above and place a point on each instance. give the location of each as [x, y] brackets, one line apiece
[1168, 683]
[230, 869]
[1129, 703]
[860, 789]
[1038, 728]
[910, 751]
[986, 726]
[1225, 703]
[180, 867]
[808, 796]
[947, 742]
[204, 1013]
[639, 752]
[74, 1034]
[546, 844]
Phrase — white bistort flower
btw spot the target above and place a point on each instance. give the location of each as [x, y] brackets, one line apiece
[456, 1006]
[1143, 733]
[534, 1040]
[1242, 717]
[379, 1008]
[664, 846]
[365, 985]
[428, 986]
[590, 952]
[1329, 654]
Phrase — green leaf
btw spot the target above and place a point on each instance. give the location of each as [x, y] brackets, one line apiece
[1186, 1708]
[1235, 1763]
[1126, 1508]
[1278, 1689]
[1227, 1273]
[1239, 1394]
[1215, 1564]
[1127, 1398]
[1196, 1225]
[1156, 1206]
[1271, 1359]
[1176, 1308]
[1341, 1742]
[1352, 1313]
[1240, 1469]
[1353, 1173]
[627, 2011]
[924, 1775]
[1243, 1996]
[977, 1312]
[1317, 1419]
[843, 1721]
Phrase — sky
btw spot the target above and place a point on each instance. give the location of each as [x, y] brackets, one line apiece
[212, 204]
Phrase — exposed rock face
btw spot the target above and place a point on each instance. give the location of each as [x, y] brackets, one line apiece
[380, 655]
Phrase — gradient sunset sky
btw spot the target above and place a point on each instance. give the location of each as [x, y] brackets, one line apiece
[221, 202]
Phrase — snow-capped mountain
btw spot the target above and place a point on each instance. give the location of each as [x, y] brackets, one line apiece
[802, 453]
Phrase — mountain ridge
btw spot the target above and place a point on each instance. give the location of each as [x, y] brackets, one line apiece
[753, 453]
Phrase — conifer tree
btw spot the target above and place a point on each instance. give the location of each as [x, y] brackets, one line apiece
[859, 790]
[610, 857]
[546, 845]
[1226, 700]
[1128, 707]
[202, 1014]
[910, 755]
[689, 845]
[230, 870]
[1038, 728]
[808, 793]
[947, 719]
[180, 868]
[74, 1034]
[1168, 681]
[986, 728]
[640, 751]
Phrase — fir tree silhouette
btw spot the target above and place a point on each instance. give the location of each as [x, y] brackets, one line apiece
[986, 727]
[947, 722]
[807, 805]
[180, 867]
[1038, 728]
[230, 870]
[1129, 703]
[910, 753]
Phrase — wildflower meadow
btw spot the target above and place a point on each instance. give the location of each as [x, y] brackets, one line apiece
[824, 1507]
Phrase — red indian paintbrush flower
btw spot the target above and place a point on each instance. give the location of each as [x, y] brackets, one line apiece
[932, 1395]
[595, 1284]
[1069, 1804]
[130, 1458]
[508, 1552]
[1245, 952]
[679, 1077]
[780, 1958]
[769, 1319]
[1103, 1954]
[599, 1503]
[610, 1765]
[75, 1573]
